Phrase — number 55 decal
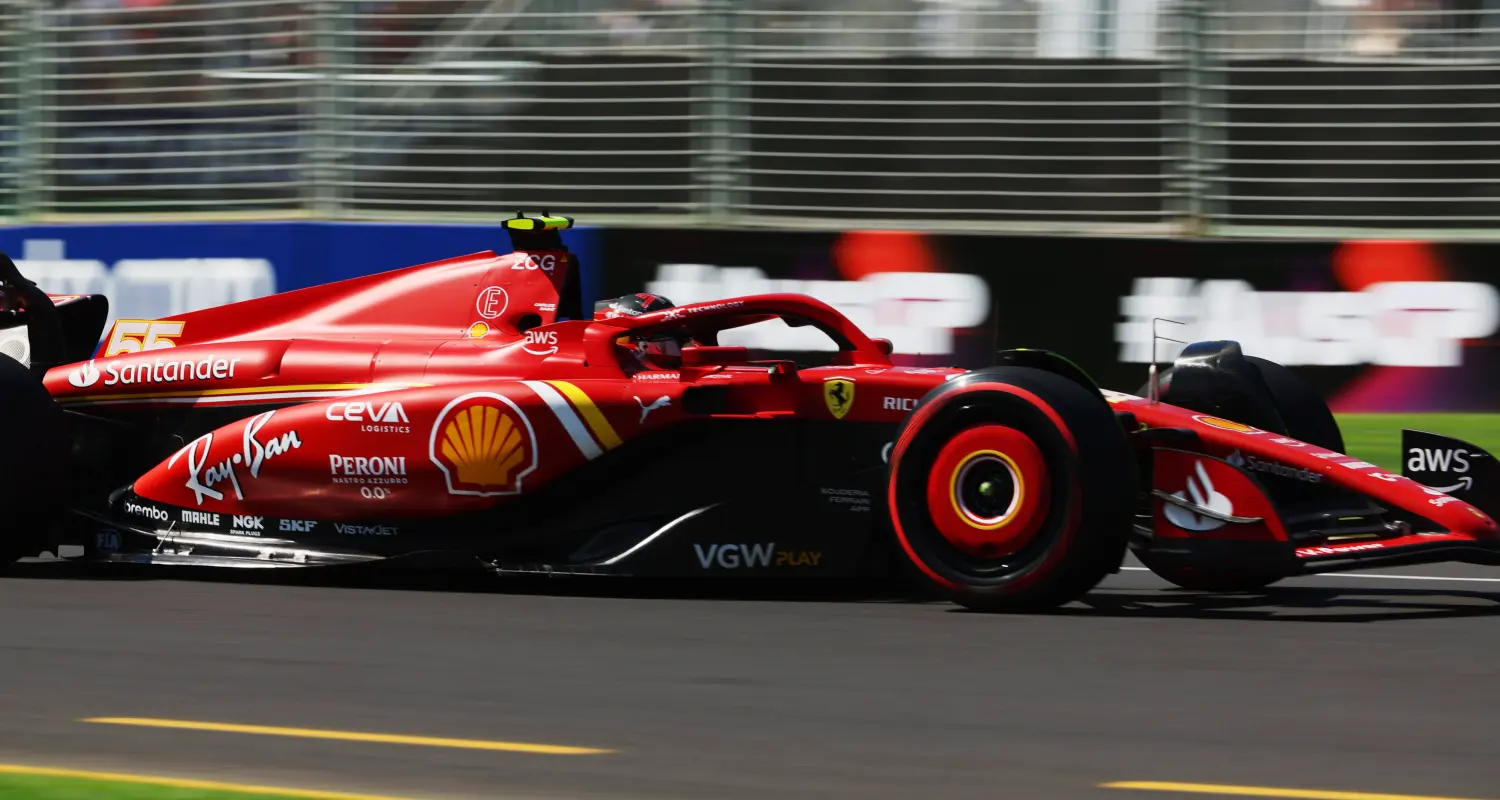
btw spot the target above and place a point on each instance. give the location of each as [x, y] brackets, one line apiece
[135, 335]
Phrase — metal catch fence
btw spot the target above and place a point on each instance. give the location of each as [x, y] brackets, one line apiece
[1152, 117]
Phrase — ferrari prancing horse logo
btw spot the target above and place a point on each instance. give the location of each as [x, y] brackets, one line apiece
[838, 393]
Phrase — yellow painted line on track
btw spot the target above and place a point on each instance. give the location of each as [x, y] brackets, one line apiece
[352, 736]
[182, 783]
[1265, 791]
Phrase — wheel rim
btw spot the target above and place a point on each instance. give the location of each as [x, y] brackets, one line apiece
[987, 491]
[987, 488]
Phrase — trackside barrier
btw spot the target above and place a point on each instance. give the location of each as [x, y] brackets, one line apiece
[1375, 326]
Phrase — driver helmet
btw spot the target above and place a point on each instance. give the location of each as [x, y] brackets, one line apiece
[633, 305]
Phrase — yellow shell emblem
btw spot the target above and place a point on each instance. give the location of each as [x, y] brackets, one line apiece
[484, 445]
[838, 393]
[1227, 425]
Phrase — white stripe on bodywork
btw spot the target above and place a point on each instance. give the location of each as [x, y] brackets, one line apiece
[568, 417]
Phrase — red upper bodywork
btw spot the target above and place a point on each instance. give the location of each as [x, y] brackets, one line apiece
[417, 392]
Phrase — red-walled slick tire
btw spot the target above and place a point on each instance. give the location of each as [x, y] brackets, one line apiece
[1012, 489]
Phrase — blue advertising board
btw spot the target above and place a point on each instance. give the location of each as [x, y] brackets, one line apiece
[153, 270]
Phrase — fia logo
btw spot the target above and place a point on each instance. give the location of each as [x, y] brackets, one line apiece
[1200, 492]
[838, 394]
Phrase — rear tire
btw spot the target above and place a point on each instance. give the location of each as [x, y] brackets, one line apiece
[34, 453]
[1012, 489]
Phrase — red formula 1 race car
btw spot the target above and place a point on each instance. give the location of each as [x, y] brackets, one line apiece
[471, 406]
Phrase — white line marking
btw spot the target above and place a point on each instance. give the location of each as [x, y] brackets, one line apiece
[1404, 577]
[1372, 576]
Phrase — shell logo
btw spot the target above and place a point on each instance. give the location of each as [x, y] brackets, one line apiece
[1228, 425]
[484, 445]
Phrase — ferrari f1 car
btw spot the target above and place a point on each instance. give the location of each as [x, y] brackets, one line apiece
[472, 406]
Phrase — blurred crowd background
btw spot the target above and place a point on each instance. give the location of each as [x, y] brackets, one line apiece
[1156, 115]
[232, 34]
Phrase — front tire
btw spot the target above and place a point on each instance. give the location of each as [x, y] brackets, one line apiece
[1012, 489]
[1301, 409]
[1304, 411]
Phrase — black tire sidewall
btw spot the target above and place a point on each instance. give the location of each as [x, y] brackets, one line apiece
[1304, 411]
[959, 414]
[34, 452]
[1093, 488]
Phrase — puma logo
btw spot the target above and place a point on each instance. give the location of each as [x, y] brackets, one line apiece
[660, 402]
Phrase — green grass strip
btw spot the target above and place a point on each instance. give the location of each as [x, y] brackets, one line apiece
[1376, 438]
[19, 782]
[26, 787]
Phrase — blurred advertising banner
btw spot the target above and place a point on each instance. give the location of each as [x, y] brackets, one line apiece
[149, 271]
[896, 285]
[1375, 326]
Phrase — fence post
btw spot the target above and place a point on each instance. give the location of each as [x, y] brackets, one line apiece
[1196, 166]
[322, 195]
[31, 154]
[717, 167]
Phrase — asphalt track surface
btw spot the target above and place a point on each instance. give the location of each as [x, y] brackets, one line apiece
[1341, 683]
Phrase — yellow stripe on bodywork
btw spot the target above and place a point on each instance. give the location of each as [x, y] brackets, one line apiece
[591, 414]
[311, 387]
